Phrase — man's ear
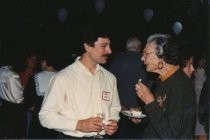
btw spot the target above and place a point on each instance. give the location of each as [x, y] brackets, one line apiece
[87, 47]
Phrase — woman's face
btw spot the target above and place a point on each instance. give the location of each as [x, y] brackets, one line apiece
[31, 61]
[150, 58]
[188, 69]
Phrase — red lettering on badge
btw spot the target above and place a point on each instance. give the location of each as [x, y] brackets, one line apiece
[105, 95]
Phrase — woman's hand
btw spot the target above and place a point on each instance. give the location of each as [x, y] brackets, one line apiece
[144, 93]
[135, 120]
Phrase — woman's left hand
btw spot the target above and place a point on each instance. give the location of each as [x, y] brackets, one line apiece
[135, 120]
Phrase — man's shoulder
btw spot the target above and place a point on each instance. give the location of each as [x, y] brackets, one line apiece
[7, 72]
[107, 72]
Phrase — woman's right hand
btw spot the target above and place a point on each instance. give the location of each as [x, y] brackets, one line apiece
[144, 93]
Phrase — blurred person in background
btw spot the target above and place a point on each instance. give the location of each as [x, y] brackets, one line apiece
[34, 93]
[12, 118]
[203, 107]
[200, 77]
[29, 68]
[128, 68]
[187, 61]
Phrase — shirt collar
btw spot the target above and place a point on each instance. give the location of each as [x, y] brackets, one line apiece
[98, 67]
[169, 73]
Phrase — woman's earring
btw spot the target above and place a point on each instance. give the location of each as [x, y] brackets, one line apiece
[160, 65]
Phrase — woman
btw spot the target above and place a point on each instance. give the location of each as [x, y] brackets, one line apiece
[34, 93]
[171, 109]
[30, 68]
[187, 60]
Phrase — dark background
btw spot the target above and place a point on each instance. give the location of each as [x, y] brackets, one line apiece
[34, 25]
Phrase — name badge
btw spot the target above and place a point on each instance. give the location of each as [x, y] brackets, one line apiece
[105, 95]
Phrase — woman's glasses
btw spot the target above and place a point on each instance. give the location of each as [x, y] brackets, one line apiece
[145, 54]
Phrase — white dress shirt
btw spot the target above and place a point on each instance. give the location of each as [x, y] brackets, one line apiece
[75, 94]
[11, 89]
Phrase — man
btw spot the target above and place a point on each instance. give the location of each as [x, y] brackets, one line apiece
[81, 91]
[128, 68]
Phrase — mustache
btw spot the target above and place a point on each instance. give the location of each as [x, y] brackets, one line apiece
[105, 55]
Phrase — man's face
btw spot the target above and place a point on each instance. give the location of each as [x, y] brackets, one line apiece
[100, 51]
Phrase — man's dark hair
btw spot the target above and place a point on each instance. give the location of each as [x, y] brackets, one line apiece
[90, 35]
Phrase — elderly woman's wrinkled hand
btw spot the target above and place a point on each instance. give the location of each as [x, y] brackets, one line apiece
[135, 120]
[144, 93]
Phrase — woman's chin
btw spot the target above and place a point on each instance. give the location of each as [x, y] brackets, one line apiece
[148, 69]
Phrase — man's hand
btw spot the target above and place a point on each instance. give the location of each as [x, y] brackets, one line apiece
[111, 127]
[93, 124]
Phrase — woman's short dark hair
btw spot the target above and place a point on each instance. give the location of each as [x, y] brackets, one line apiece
[166, 47]
[186, 53]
